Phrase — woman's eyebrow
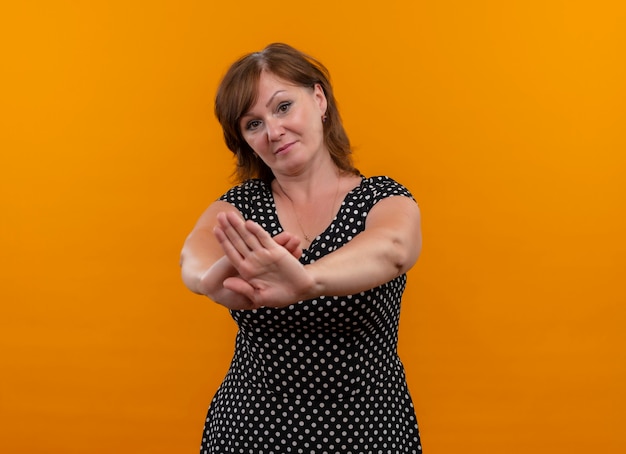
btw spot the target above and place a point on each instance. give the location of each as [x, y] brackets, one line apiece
[248, 114]
[272, 97]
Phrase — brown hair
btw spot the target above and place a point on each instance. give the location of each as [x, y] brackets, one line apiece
[238, 92]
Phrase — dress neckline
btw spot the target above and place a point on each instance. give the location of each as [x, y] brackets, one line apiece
[268, 187]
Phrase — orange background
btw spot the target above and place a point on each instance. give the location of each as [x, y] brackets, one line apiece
[505, 119]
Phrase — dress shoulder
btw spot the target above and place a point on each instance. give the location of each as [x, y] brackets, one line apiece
[379, 188]
[248, 196]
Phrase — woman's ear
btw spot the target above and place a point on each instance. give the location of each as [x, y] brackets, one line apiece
[320, 98]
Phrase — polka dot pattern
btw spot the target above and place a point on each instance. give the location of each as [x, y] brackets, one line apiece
[322, 375]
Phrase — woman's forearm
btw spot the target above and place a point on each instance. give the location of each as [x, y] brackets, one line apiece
[388, 247]
[369, 260]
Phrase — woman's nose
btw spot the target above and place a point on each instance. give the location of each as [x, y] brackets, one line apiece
[274, 129]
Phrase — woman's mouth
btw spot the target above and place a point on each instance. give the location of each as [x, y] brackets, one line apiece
[284, 148]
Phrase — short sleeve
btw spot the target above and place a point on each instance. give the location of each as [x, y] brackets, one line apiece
[381, 187]
[253, 198]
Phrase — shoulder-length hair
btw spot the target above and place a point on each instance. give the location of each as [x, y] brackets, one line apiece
[237, 93]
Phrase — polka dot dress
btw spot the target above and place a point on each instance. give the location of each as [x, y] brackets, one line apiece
[322, 375]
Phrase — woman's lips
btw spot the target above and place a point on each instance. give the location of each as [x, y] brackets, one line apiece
[284, 148]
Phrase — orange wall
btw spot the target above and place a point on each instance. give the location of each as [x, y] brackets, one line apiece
[506, 120]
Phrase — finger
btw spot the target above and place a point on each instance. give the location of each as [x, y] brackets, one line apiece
[294, 248]
[239, 302]
[289, 242]
[264, 239]
[240, 228]
[282, 238]
[228, 227]
[229, 249]
[240, 286]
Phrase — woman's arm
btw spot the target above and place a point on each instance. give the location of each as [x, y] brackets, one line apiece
[388, 247]
[204, 266]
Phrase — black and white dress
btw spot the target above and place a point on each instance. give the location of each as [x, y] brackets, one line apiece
[322, 375]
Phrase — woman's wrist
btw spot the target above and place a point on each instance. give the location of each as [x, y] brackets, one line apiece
[315, 287]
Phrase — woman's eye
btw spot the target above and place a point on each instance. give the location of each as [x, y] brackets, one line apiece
[253, 125]
[284, 107]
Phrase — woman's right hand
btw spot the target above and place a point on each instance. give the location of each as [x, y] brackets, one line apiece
[211, 282]
[204, 267]
[267, 273]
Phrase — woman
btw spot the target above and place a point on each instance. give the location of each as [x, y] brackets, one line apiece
[310, 257]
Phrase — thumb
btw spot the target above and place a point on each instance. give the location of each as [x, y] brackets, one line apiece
[240, 286]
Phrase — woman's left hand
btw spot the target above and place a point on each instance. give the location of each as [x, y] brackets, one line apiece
[268, 274]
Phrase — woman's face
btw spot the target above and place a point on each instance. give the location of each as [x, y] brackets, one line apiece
[284, 127]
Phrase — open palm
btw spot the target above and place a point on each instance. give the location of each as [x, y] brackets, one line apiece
[269, 275]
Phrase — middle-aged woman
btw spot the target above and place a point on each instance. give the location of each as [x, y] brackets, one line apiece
[310, 257]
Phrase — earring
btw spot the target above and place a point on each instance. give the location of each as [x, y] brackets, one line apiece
[324, 117]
